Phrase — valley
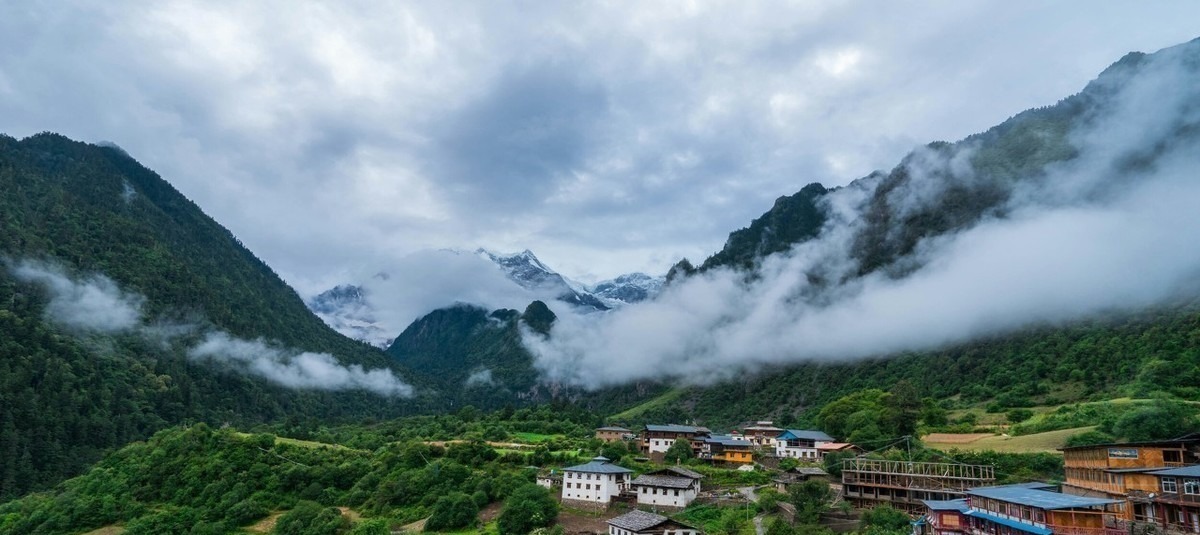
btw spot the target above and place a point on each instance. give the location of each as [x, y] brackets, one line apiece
[991, 329]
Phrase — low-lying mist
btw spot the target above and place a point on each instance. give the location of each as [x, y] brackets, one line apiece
[1114, 228]
[94, 303]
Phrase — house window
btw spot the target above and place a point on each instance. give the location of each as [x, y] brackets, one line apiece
[1191, 486]
[1168, 485]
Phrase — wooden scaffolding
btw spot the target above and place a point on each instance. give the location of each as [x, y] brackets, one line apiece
[903, 484]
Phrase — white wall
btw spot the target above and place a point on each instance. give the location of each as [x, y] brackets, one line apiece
[661, 445]
[665, 497]
[602, 486]
[782, 450]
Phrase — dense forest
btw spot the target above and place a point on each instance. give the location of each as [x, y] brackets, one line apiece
[67, 396]
[439, 472]
[1138, 356]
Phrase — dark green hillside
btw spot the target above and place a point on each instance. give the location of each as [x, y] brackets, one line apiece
[1157, 352]
[65, 399]
[450, 345]
[791, 220]
[961, 184]
[98, 210]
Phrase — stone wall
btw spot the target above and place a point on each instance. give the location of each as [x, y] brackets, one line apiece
[585, 505]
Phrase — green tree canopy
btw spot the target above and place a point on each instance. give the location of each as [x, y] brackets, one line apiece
[527, 508]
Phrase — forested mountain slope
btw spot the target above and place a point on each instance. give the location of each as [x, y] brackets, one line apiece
[1137, 117]
[80, 222]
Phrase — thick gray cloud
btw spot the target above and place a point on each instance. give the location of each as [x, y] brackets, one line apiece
[1111, 230]
[331, 137]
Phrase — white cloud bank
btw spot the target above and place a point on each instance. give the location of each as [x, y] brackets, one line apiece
[96, 304]
[320, 371]
[1112, 230]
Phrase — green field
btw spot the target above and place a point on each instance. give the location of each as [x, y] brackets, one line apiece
[636, 412]
[533, 438]
[1047, 442]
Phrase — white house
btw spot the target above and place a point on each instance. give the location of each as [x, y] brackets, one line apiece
[642, 523]
[800, 443]
[659, 438]
[672, 488]
[596, 482]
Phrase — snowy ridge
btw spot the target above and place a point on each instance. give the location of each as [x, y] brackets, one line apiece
[351, 308]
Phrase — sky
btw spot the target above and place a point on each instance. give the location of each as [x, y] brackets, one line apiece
[339, 138]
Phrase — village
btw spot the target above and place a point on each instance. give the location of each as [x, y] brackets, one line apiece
[1108, 489]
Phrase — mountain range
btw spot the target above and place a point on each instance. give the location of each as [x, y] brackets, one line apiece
[124, 308]
[353, 309]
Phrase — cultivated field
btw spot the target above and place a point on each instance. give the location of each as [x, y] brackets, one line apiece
[1049, 441]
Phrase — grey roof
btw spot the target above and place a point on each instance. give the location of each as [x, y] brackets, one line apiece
[681, 471]
[614, 428]
[599, 465]
[806, 434]
[959, 505]
[670, 482]
[726, 440]
[809, 471]
[1187, 471]
[1041, 499]
[637, 520]
[672, 428]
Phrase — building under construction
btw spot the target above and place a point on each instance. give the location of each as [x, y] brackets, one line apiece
[867, 483]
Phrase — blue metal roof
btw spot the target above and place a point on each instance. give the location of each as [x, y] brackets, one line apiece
[1040, 499]
[1015, 524]
[805, 434]
[1187, 471]
[672, 428]
[599, 465]
[726, 440]
[959, 505]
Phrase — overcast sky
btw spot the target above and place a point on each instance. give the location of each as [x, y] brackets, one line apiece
[606, 137]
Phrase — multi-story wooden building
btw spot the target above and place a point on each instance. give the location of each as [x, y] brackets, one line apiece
[613, 434]
[943, 517]
[726, 449]
[658, 438]
[1174, 505]
[1024, 509]
[904, 485]
[1125, 470]
[762, 434]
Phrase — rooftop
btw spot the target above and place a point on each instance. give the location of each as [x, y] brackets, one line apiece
[806, 434]
[726, 440]
[1035, 497]
[1023, 526]
[1173, 443]
[1187, 471]
[614, 428]
[673, 428]
[959, 505]
[670, 482]
[679, 470]
[599, 465]
[637, 520]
